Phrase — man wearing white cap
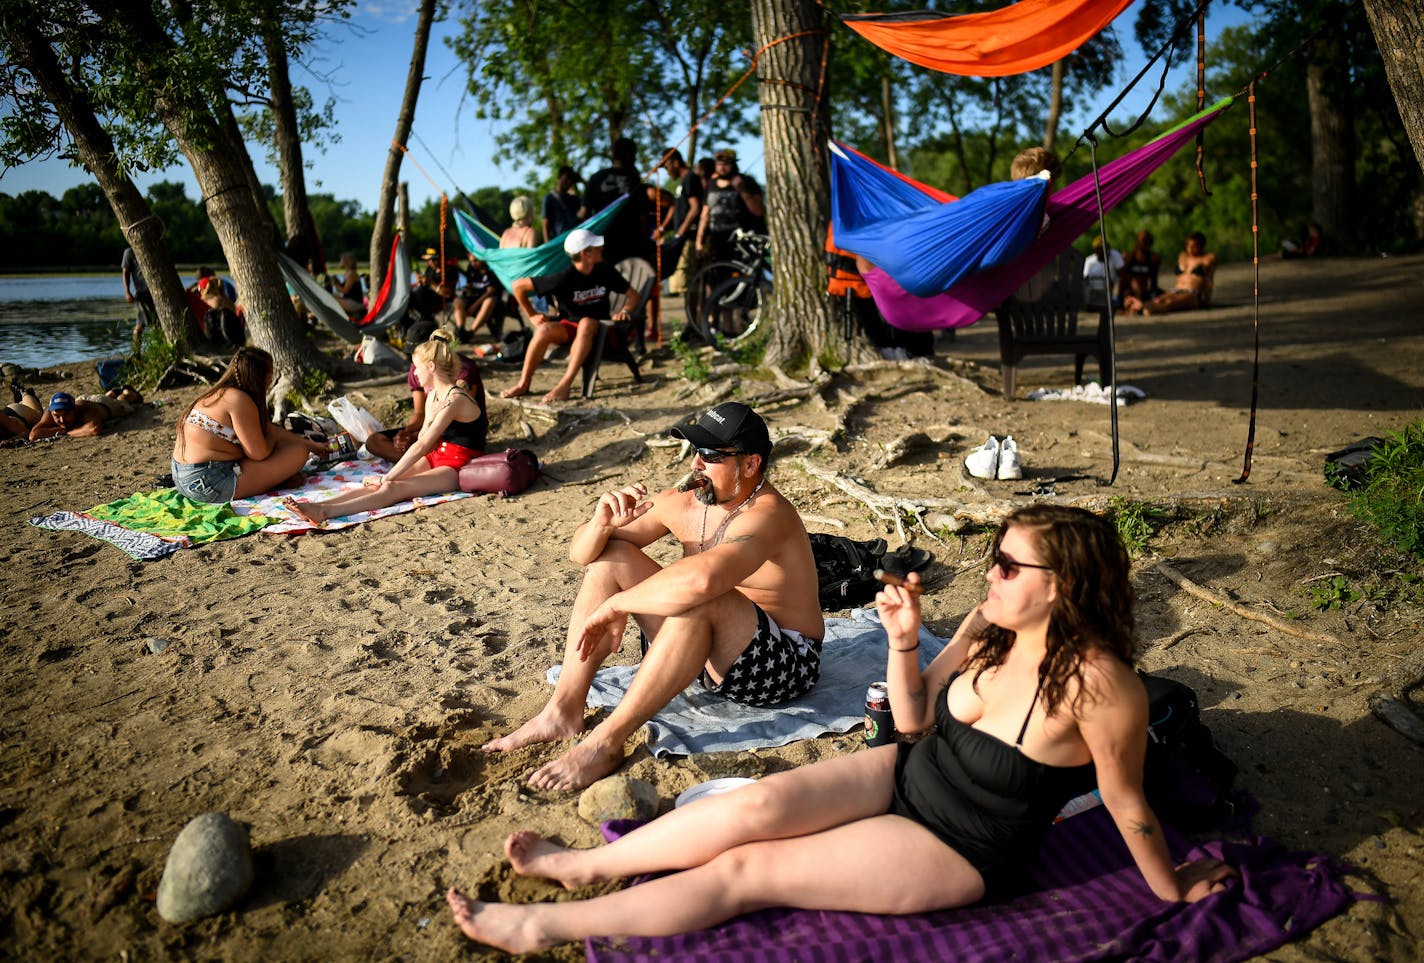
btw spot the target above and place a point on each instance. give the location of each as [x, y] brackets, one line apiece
[738, 614]
[582, 294]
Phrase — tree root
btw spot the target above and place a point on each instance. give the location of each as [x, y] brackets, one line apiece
[1390, 702]
[1215, 598]
[886, 507]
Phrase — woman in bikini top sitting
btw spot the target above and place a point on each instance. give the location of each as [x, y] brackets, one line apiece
[454, 423]
[228, 446]
[1034, 696]
[1194, 283]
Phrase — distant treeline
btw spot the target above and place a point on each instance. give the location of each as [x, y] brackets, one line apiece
[78, 230]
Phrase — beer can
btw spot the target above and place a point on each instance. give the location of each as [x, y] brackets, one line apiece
[879, 724]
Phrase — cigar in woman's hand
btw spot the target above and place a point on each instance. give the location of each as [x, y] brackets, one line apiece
[690, 481]
[890, 578]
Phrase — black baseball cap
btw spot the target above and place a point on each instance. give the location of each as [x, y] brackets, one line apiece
[729, 425]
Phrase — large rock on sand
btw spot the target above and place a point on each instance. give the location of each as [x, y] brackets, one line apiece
[209, 868]
[618, 797]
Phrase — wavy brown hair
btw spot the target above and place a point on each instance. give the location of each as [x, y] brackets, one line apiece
[249, 371]
[1093, 610]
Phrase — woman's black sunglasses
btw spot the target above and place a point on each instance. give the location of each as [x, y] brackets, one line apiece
[1008, 567]
[713, 456]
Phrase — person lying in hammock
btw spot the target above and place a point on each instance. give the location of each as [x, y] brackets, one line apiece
[1194, 284]
[454, 424]
[1033, 701]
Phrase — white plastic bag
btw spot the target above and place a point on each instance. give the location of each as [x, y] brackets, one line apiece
[374, 351]
[360, 422]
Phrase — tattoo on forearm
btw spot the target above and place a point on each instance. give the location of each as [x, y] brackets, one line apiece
[742, 538]
[1143, 829]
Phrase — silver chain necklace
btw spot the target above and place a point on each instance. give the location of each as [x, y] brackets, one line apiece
[722, 528]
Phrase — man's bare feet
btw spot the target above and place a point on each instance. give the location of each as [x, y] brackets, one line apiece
[516, 391]
[532, 855]
[306, 511]
[550, 725]
[508, 927]
[580, 767]
[560, 393]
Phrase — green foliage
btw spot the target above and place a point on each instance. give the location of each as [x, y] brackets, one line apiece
[156, 355]
[315, 385]
[1392, 498]
[1331, 593]
[1136, 522]
[694, 362]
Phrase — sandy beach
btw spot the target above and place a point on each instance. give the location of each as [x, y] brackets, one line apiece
[332, 690]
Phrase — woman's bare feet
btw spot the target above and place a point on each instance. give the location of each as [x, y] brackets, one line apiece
[308, 512]
[520, 389]
[510, 928]
[560, 393]
[532, 855]
[550, 725]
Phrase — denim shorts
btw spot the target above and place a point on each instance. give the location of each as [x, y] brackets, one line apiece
[207, 481]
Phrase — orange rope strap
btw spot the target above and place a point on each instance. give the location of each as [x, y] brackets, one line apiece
[1255, 293]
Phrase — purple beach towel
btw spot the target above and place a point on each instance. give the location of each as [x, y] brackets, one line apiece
[1084, 900]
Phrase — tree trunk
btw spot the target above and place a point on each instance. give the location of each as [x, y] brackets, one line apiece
[1055, 105]
[385, 213]
[1398, 27]
[1332, 169]
[296, 212]
[887, 111]
[142, 229]
[794, 124]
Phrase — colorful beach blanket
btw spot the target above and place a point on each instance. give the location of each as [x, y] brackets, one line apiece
[152, 525]
[852, 657]
[1084, 900]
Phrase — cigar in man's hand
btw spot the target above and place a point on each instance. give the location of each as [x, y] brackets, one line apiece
[890, 578]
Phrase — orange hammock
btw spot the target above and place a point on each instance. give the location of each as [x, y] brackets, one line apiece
[1016, 39]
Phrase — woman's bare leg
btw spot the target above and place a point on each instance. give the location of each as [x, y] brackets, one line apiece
[794, 803]
[432, 481]
[833, 870]
[285, 460]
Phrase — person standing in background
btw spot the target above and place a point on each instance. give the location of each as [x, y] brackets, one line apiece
[136, 293]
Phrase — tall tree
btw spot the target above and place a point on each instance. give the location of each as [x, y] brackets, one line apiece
[143, 231]
[1398, 27]
[287, 136]
[385, 208]
[791, 38]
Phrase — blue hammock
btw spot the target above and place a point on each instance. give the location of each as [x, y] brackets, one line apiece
[512, 263]
[888, 221]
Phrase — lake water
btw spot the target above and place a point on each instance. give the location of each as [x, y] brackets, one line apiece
[64, 319]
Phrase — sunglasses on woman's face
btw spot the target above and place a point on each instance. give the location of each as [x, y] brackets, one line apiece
[1009, 568]
[713, 456]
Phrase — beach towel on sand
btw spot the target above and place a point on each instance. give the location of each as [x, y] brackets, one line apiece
[1084, 899]
[152, 525]
[852, 657]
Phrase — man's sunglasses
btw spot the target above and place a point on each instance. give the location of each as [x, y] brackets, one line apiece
[1009, 568]
[714, 456]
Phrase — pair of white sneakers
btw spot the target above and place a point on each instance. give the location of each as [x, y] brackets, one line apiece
[995, 459]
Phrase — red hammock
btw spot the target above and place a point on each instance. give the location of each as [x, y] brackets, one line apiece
[1016, 39]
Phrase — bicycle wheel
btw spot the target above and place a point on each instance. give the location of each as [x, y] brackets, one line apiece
[702, 282]
[732, 311]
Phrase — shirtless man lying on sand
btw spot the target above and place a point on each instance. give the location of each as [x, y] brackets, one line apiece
[738, 611]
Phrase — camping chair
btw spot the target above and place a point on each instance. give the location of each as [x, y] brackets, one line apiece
[615, 339]
[1049, 324]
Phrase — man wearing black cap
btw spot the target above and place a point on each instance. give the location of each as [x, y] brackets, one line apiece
[738, 613]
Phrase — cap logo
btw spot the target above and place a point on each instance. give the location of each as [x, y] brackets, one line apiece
[712, 413]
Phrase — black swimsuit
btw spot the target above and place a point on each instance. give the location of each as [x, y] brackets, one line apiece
[982, 796]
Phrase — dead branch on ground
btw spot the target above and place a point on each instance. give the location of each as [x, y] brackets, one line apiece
[1246, 612]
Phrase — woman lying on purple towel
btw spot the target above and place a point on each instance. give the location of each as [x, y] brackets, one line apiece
[1033, 702]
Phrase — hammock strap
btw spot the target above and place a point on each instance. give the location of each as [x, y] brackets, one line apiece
[1201, 94]
[1108, 311]
[1255, 293]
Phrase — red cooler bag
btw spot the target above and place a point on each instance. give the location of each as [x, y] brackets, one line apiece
[506, 472]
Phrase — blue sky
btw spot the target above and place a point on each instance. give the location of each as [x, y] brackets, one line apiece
[365, 68]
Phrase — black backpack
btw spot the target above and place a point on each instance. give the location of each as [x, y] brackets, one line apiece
[1187, 778]
[845, 568]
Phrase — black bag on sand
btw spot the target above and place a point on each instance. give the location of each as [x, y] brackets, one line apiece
[845, 568]
[1187, 778]
[504, 473]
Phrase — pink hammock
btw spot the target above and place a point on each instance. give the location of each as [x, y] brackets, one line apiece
[1071, 211]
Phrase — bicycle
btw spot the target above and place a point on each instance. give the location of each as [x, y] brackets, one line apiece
[735, 292]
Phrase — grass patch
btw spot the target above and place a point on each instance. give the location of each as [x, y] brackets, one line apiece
[1392, 498]
[1137, 523]
[156, 355]
[694, 364]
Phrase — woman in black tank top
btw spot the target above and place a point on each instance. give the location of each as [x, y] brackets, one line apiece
[431, 464]
[1035, 692]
